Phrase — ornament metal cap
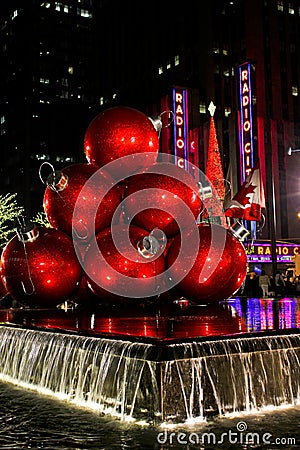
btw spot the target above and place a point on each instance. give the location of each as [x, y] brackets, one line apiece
[27, 231]
[157, 123]
[182, 302]
[204, 191]
[57, 180]
[239, 231]
[152, 244]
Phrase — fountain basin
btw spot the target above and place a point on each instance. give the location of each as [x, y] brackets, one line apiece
[157, 377]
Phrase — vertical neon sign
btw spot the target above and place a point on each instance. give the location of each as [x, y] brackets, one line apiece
[246, 124]
[180, 126]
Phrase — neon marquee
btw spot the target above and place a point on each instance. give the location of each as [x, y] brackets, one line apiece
[245, 125]
[263, 252]
[180, 126]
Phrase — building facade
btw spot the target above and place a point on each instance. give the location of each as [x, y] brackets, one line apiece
[77, 58]
[46, 91]
[205, 49]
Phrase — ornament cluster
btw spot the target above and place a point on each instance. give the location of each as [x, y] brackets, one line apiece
[123, 227]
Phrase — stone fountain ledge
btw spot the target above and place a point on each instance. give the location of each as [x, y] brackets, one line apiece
[155, 380]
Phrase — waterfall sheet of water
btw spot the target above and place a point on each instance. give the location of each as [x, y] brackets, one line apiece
[111, 376]
[175, 382]
[232, 375]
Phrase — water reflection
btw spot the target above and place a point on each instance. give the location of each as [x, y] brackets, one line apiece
[260, 314]
[167, 321]
[32, 421]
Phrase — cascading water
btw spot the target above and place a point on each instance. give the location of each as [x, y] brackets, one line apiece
[161, 381]
[231, 376]
[112, 376]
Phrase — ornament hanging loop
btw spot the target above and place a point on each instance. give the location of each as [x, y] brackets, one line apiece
[261, 225]
[157, 121]
[80, 231]
[26, 232]
[171, 118]
[46, 163]
[227, 185]
[239, 231]
[56, 180]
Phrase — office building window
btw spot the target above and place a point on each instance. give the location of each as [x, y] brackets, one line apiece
[227, 111]
[202, 108]
[295, 91]
[280, 5]
[84, 13]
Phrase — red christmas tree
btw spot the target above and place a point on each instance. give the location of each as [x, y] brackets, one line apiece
[214, 171]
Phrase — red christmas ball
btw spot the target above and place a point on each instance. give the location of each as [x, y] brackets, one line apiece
[3, 290]
[40, 267]
[118, 132]
[115, 268]
[160, 196]
[90, 190]
[219, 268]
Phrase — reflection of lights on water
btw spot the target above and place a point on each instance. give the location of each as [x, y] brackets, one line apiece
[259, 313]
[287, 313]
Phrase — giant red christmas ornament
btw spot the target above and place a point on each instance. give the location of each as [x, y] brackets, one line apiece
[40, 267]
[162, 195]
[91, 190]
[117, 132]
[115, 268]
[3, 290]
[219, 268]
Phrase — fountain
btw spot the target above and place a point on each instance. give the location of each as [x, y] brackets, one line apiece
[160, 361]
[158, 365]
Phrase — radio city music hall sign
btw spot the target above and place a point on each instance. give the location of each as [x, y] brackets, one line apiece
[263, 252]
[245, 125]
[180, 126]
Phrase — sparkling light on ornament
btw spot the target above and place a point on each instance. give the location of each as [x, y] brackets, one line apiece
[3, 290]
[118, 132]
[163, 194]
[115, 261]
[220, 266]
[40, 267]
[64, 190]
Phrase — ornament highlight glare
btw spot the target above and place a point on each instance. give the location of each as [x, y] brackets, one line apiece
[164, 196]
[40, 267]
[117, 132]
[220, 266]
[64, 190]
[115, 262]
